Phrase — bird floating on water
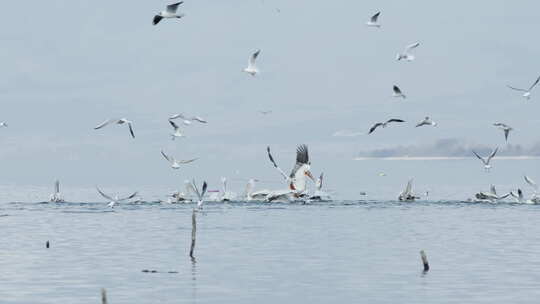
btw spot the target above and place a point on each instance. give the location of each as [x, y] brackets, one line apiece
[252, 68]
[118, 122]
[115, 200]
[486, 161]
[506, 129]
[406, 55]
[373, 21]
[384, 124]
[175, 164]
[397, 92]
[527, 94]
[426, 122]
[169, 12]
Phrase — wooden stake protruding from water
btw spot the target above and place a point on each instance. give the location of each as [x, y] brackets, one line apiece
[47, 244]
[103, 296]
[193, 233]
[424, 260]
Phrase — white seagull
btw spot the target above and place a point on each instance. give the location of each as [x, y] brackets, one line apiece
[506, 129]
[397, 92]
[226, 196]
[426, 122]
[297, 179]
[406, 55]
[252, 68]
[373, 20]
[188, 120]
[527, 94]
[56, 197]
[319, 194]
[383, 124]
[251, 194]
[169, 12]
[200, 195]
[118, 122]
[177, 130]
[115, 200]
[487, 166]
[175, 164]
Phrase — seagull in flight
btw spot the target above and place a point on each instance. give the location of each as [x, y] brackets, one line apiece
[169, 12]
[527, 94]
[373, 21]
[115, 200]
[177, 130]
[252, 68]
[383, 124]
[487, 166]
[188, 120]
[175, 164]
[406, 55]
[118, 122]
[506, 128]
[397, 92]
[200, 195]
[426, 122]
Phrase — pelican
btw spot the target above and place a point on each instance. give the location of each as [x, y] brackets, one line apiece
[426, 122]
[518, 196]
[115, 200]
[527, 94]
[56, 197]
[175, 164]
[407, 195]
[118, 122]
[319, 194]
[487, 166]
[506, 129]
[397, 92]
[169, 12]
[252, 68]
[491, 196]
[406, 55]
[177, 130]
[200, 195]
[297, 178]
[373, 21]
[188, 120]
[383, 124]
[226, 196]
[252, 195]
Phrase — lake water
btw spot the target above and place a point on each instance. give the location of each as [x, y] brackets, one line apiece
[340, 252]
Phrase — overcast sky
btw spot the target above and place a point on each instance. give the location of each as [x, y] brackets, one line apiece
[68, 65]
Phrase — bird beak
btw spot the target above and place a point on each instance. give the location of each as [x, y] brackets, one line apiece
[308, 173]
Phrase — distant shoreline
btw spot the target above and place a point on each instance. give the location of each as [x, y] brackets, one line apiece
[443, 158]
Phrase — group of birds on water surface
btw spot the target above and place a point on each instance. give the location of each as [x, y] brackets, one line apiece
[296, 182]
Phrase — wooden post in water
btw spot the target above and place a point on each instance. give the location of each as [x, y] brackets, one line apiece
[103, 296]
[193, 233]
[47, 244]
[424, 261]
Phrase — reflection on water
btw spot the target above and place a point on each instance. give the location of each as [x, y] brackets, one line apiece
[339, 252]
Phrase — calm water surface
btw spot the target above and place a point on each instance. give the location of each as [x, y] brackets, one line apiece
[340, 252]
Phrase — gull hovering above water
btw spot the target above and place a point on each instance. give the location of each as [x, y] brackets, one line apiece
[527, 94]
[169, 12]
[252, 68]
[505, 128]
[200, 195]
[406, 55]
[297, 179]
[384, 124]
[187, 120]
[118, 122]
[373, 21]
[115, 200]
[397, 92]
[486, 161]
[426, 122]
[177, 130]
[175, 164]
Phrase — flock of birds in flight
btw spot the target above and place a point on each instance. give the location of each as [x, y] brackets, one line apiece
[296, 180]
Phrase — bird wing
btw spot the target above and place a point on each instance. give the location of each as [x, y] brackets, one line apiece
[253, 58]
[129, 197]
[204, 186]
[396, 90]
[175, 126]
[131, 130]
[506, 132]
[517, 89]
[375, 126]
[173, 7]
[199, 119]
[412, 46]
[157, 19]
[395, 120]
[180, 115]
[105, 123]
[192, 188]
[530, 182]
[535, 83]
[302, 156]
[275, 165]
[319, 183]
[479, 157]
[168, 158]
[57, 187]
[492, 190]
[423, 122]
[375, 17]
[188, 161]
[492, 154]
[104, 195]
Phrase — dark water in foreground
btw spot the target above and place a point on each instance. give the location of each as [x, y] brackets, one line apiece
[339, 252]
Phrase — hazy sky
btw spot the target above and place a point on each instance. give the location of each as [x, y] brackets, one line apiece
[322, 71]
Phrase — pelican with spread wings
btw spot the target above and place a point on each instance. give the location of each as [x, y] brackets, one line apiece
[297, 179]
